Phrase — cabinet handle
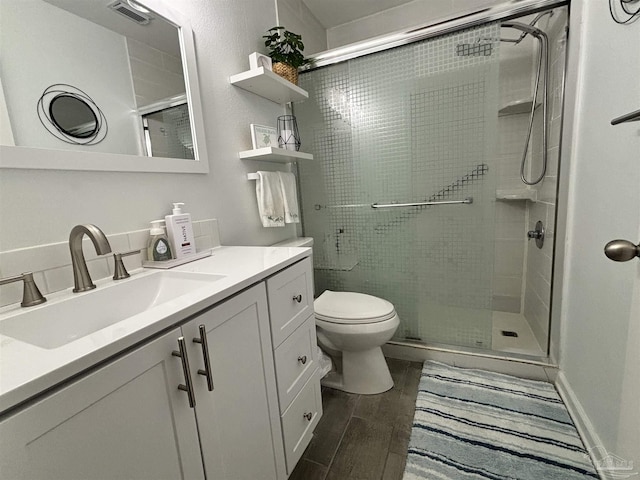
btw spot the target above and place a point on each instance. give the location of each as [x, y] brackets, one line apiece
[308, 416]
[298, 298]
[205, 353]
[185, 368]
[302, 359]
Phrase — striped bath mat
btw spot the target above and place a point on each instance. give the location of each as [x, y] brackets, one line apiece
[473, 424]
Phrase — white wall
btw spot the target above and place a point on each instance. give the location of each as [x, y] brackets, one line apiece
[40, 47]
[39, 207]
[297, 18]
[156, 75]
[408, 15]
[599, 355]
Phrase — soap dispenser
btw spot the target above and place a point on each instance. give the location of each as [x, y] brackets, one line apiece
[180, 232]
[158, 248]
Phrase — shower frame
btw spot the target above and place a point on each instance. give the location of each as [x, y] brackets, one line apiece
[450, 24]
[444, 26]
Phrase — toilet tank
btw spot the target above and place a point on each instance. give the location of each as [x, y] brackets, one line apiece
[296, 242]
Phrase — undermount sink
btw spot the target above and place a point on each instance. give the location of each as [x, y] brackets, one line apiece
[56, 324]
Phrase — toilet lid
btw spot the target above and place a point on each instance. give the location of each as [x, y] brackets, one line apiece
[350, 307]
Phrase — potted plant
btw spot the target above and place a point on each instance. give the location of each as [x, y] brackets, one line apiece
[286, 52]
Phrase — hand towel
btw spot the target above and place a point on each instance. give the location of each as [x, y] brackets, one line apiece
[270, 202]
[289, 197]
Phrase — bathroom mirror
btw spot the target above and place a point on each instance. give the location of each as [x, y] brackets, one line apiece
[135, 60]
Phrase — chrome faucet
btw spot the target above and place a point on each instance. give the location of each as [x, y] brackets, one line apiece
[81, 277]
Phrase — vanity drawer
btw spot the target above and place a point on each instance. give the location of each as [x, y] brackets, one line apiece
[290, 294]
[299, 421]
[296, 361]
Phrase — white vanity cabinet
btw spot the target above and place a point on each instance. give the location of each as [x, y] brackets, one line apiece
[255, 403]
[124, 420]
[235, 418]
[293, 331]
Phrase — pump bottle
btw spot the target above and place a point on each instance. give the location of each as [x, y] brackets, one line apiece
[180, 232]
[158, 249]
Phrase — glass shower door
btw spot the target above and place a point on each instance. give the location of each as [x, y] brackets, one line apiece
[413, 124]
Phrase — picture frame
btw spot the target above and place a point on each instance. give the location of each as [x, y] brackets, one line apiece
[257, 60]
[263, 136]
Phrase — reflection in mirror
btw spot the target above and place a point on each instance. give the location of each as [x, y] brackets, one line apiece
[73, 116]
[167, 130]
[128, 62]
[70, 115]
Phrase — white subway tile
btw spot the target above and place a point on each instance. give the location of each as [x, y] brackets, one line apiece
[59, 278]
[99, 267]
[203, 243]
[35, 259]
[197, 228]
[138, 239]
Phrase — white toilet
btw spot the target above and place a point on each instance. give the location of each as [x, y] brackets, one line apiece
[351, 328]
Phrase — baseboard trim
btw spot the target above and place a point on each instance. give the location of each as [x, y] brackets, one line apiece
[584, 426]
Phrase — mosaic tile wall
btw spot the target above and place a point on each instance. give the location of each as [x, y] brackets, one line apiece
[410, 124]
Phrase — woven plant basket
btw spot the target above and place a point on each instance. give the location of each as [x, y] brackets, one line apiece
[286, 71]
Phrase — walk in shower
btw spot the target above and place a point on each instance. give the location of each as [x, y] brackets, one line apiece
[415, 193]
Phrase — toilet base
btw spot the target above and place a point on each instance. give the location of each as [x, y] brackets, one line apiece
[364, 372]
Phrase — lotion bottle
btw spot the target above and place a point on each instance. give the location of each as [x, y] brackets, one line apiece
[180, 232]
[158, 248]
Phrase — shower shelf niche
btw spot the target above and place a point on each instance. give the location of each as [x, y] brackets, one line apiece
[516, 107]
[517, 194]
[268, 85]
[273, 154]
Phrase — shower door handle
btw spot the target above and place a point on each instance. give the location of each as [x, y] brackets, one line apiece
[621, 250]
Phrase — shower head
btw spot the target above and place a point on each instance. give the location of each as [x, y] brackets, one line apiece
[530, 29]
[526, 29]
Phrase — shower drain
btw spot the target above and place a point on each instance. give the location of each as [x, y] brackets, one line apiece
[509, 333]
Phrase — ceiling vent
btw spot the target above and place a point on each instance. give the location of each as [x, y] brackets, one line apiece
[128, 11]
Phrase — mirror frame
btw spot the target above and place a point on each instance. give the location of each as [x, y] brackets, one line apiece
[12, 157]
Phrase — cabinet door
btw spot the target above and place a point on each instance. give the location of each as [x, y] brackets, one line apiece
[237, 421]
[124, 420]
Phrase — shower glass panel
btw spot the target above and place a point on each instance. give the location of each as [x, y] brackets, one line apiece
[412, 124]
[168, 133]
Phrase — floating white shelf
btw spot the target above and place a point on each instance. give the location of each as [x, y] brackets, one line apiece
[267, 84]
[517, 194]
[516, 107]
[272, 154]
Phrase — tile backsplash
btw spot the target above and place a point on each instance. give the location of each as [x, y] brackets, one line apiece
[51, 264]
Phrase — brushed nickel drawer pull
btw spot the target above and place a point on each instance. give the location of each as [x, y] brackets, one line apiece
[185, 368]
[298, 298]
[308, 416]
[205, 353]
[302, 359]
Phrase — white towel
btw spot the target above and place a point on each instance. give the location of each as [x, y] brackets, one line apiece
[270, 202]
[289, 197]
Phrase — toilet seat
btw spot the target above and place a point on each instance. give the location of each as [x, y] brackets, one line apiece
[352, 308]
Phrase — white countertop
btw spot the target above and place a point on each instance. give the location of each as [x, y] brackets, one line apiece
[27, 370]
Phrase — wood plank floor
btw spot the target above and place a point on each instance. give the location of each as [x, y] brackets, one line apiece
[363, 437]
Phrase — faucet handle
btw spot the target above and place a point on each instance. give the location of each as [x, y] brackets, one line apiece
[31, 295]
[119, 271]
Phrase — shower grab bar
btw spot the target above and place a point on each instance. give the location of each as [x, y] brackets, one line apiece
[467, 200]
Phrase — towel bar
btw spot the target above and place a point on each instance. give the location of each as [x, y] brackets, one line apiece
[421, 204]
